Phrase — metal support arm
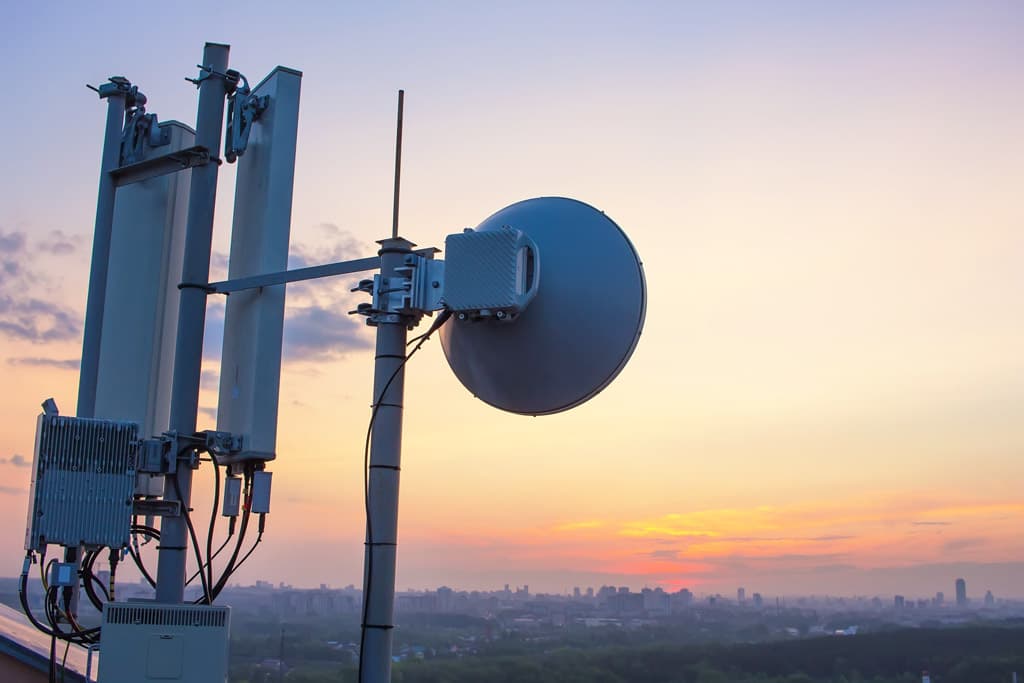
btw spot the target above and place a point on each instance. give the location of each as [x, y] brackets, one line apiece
[297, 275]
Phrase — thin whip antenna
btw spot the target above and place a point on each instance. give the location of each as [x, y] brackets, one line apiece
[398, 163]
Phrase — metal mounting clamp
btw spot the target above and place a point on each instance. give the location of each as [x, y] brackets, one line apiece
[243, 109]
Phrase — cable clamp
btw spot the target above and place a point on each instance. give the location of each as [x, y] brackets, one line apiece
[197, 285]
[230, 82]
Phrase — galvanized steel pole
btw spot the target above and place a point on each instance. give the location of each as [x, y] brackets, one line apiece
[385, 466]
[174, 540]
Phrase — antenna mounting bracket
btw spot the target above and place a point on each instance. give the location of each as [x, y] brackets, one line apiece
[243, 109]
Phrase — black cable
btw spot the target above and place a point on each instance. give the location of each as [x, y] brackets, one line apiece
[89, 578]
[195, 541]
[213, 520]
[442, 318]
[150, 531]
[53, 659]
[51, 609]
[23, 598]
[142, 568]
[213, 557]
[79, 635]
[246, 514]
[90, 590]
[114, 561]
[64, 661]
[137, 556]
[259, 537]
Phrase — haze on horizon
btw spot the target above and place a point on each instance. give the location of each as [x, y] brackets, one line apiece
[829, 393]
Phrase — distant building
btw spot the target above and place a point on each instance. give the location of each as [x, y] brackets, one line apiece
[961, 593]
[576, 593]
[445, 599]
[656, 602]
[758, 600]
[626, 602]
[741, 595]
[681, 600]
[990, 599]
[590, 592]
[940, 598]
[898, 601]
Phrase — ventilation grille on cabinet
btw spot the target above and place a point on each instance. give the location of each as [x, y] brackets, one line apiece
[83, 478]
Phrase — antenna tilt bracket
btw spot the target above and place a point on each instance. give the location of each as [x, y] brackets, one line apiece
[141, 131]
[243, 109]
[115, 85]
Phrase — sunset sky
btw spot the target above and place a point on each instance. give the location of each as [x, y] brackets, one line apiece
[829, 202]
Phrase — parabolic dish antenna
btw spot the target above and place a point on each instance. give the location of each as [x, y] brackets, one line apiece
[581, 328]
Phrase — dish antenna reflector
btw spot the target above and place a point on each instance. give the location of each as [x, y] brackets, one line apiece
[580, 328]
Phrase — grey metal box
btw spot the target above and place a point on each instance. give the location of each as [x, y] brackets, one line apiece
[150, 642]
[83, 478]
[489, 271]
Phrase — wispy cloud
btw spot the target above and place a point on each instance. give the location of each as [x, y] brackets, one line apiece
[959, 544]
[213, 336]
[24, 314]
[16, 460]
[39, 362]
[12, 242]
[11, 491]
[59, 242]
[317, 326]
[806, 538]
[320, 333]
[209, 379]
[333, 244]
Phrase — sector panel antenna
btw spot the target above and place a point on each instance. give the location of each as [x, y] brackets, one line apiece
[580, 328]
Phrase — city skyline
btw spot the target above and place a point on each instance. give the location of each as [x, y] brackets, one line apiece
[828, 391]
